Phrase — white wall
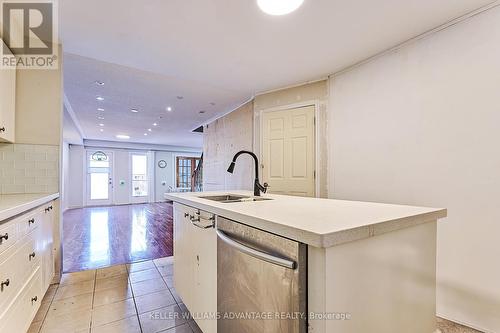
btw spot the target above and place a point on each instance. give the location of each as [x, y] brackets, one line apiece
[76, 184]
[421, 126]
[121, 178]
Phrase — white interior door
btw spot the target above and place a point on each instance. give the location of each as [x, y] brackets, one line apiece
[99, 178]
[288, 151]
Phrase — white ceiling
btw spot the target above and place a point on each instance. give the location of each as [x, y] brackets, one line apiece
[223, 51]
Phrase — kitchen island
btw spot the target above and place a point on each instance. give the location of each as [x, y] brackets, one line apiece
[371, 267]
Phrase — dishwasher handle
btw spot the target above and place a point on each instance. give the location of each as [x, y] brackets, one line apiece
[254, 253]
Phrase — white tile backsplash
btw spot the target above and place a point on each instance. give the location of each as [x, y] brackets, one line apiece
[29, 168]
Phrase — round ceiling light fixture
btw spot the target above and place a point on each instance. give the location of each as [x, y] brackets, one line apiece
[279, 7]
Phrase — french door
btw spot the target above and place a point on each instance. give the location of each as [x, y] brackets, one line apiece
[99, 178]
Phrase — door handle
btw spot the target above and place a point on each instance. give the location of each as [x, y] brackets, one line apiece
[4, 283]
[199, 218]
[290, 264]
[4, 237]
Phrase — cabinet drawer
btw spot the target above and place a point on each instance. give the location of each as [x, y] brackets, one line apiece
[8, 235]
[19, 315]
[29, 222]
[16, 265]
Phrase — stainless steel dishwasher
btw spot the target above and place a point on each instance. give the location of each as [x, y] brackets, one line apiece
[261, 281]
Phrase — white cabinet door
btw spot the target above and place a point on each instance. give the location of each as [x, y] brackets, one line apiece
[7, 102]
[206, 286]
[195, 265]
[47, 240]
[183, 253]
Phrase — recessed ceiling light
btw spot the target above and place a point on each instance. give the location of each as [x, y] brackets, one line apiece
[149, 130]
[99, 83]
[279, 7]
[180, 97]
[145, 134]
[100, 98]
[101, 118]
[155, 124]
[101, 129]
[122, 136]
[134, 110]
[169, 108]
[101, 125]
[100, 109]
[202, 111]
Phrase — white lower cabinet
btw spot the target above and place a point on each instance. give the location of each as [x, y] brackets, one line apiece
[195, 264]
[26, 266]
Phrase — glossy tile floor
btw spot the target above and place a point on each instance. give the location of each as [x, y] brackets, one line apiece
[446, 326]
[132, 298]
[119, 299]
[96, 237]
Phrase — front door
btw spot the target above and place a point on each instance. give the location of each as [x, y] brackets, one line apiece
[288, 151]
[99, 178]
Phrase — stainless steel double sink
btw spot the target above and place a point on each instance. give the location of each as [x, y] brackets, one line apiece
[228, 198]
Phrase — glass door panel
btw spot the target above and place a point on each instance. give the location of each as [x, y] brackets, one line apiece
[99, 178]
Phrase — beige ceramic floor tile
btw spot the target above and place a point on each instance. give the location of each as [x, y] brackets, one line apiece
[194, 326]
[147, 274]
[72, 278]
[35, 327]
[42, 311]
[184, 328]
[70, 305]
[140, 266]
[163, 261]
[446, 326]
[169, 280]
[176, 296]
[148, 287]
[68, 323]
[113, 271]
[127, 325]
[154, 301]
[76, 289]
[49, 295]
[166, 270]
[112, 282]
[111, 312]
[161, 319]
[112, 295]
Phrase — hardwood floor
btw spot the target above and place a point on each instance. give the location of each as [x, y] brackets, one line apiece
[96, 237]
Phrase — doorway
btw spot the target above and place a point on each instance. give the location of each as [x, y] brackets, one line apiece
[288, 150]
[99, 178]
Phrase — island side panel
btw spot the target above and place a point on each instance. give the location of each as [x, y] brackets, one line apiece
[385, 283]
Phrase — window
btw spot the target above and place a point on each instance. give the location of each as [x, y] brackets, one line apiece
[139, 175]
[184, 169]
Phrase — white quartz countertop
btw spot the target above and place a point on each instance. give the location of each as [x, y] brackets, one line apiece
[314, 221]
[14, 204]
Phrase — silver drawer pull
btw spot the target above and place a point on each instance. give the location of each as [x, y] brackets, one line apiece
[31, 221]
[254, 253]
[199, 218]
[4, 237]
[4, 283]
[32, 255]
[34, 299]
